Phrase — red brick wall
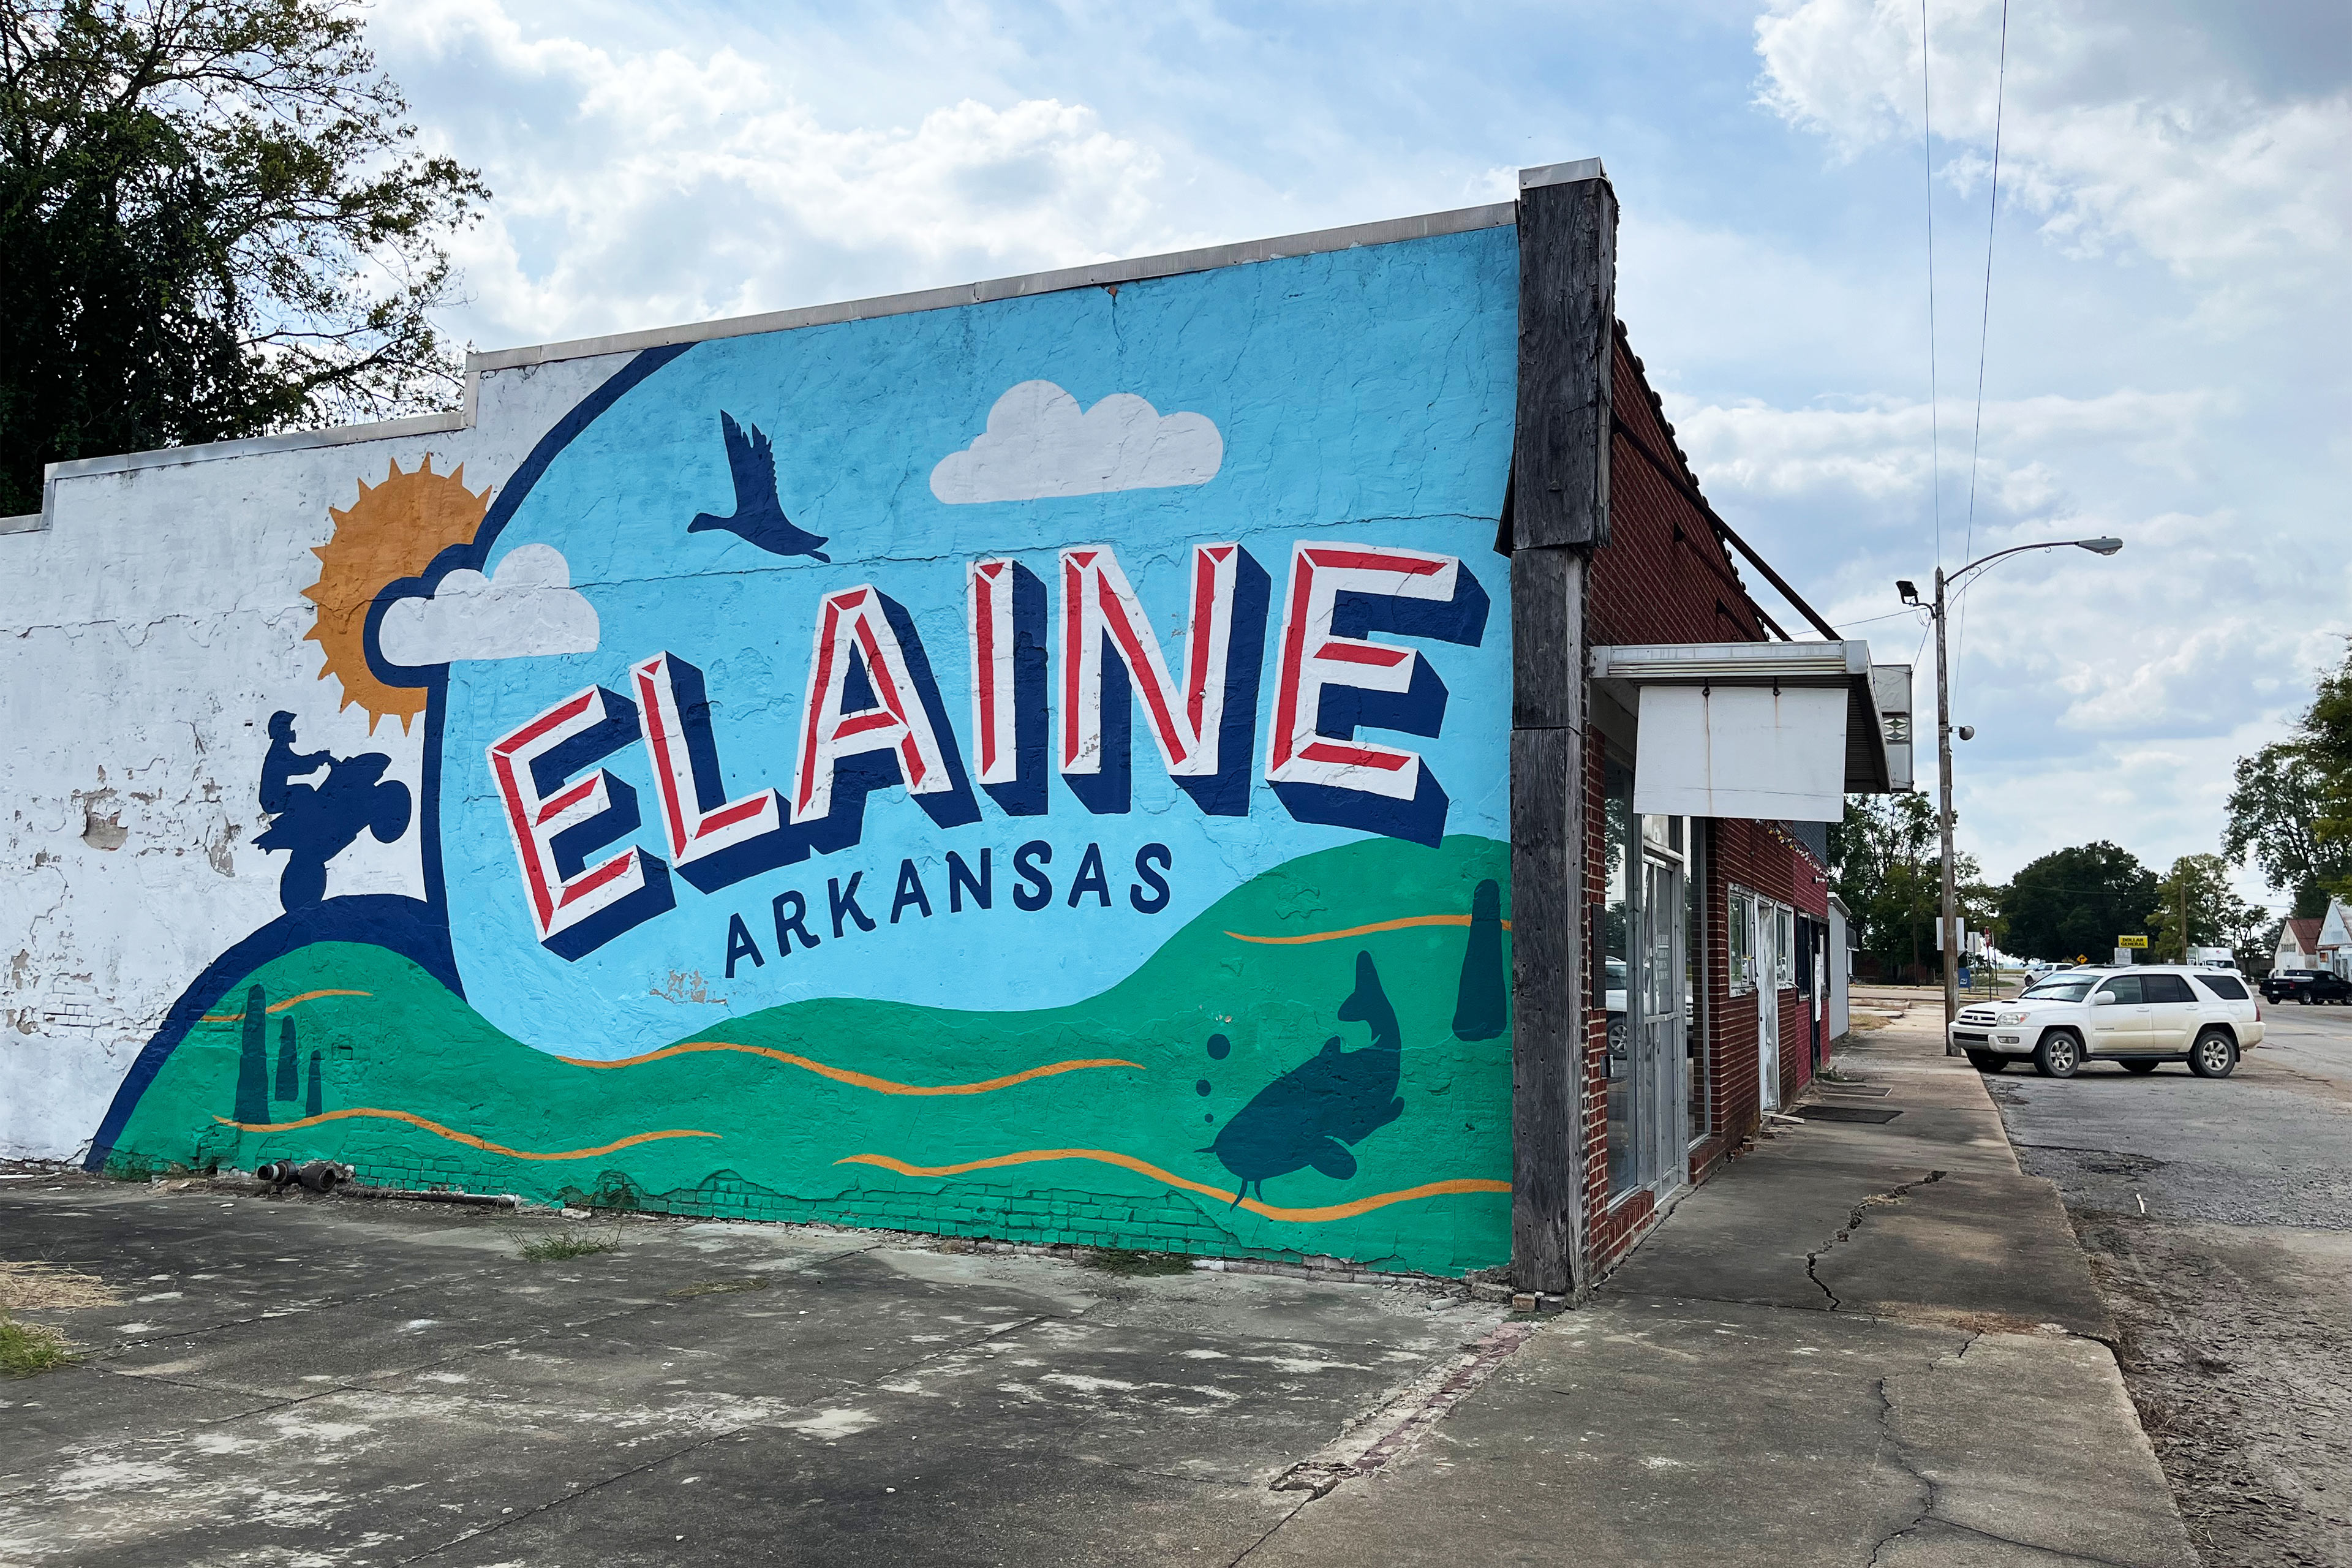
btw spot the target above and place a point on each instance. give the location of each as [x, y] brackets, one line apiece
[1665, 576]
[1764, 858]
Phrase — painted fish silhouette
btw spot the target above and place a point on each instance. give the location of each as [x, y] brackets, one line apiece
[759, 517]
[1309, 1115]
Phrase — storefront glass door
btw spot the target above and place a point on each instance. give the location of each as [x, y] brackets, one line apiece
[1664, 1016]
[1768, 1009]
[1644, 947]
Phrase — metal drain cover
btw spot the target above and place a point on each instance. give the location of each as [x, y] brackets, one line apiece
[1871, 1114]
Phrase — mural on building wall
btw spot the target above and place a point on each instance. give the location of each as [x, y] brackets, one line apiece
[1036, 768]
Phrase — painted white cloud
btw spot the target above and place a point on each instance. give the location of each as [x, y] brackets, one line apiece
[1038, 443]
[527, 608]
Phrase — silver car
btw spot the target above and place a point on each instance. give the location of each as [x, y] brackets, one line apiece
[2140, 1018]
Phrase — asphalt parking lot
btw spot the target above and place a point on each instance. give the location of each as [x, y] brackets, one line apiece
[2218, 1218]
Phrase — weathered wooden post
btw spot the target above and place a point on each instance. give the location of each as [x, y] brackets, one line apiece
[1560, 504]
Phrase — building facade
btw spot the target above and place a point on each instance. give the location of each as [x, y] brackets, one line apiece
[1262, 752]
[2298, 945]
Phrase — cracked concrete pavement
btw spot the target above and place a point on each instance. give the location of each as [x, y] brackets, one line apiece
[327, 1382]
[1858, 1345]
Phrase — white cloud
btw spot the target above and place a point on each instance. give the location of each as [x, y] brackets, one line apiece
[528, 607]
[1038, 443]
[657, 165]
[641, 186]
[2117, 128]
[1883, 449]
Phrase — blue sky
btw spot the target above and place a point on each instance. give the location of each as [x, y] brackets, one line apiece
[2168, 332]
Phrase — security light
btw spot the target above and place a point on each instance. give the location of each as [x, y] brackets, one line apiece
[1908, 589]
[2100, 546]
[1968, 731]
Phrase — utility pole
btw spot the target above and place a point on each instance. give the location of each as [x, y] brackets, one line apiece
[1948, 938]
[1949, 917]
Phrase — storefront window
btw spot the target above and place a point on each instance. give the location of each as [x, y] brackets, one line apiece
[1620, 833]
[1694, 980]
[1784, 972]
[1739, 923]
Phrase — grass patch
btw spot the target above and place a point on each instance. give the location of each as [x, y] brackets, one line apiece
[1123, 1261]
[28, 1348]
[556, 1249]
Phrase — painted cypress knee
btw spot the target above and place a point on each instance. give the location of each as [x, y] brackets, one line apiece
[253, 1061]
[289, 1061]
[315, 1102]
[1481, 1009]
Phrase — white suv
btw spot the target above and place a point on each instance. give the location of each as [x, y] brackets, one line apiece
[2141, 1017]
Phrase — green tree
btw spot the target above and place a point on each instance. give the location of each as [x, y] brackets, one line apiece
[2254, 956]
[2275, 810]
[1885, 868]
[2254, 937]
[2325, 738]
[216, 224]
[2196, 907]
[2073, 903]
[2292, 807]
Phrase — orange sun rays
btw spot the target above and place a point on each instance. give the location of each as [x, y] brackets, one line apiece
[393, 530]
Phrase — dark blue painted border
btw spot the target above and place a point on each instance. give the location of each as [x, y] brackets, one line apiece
[417, 929]
[410, 927]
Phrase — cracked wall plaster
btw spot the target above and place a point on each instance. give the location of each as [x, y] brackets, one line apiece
[148, 633]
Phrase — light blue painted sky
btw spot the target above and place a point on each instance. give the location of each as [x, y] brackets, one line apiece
[2170, 305]
[1399, 347]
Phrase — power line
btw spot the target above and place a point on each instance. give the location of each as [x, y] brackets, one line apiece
[1927, 164]
[1984, 318]
[1891, 615]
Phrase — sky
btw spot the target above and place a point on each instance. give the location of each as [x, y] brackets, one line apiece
[2163, 339]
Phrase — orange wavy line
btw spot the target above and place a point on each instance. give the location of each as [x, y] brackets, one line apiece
[279, 1006]
[1309, 1217]
[455, 1136]
[1360, 931]
[861, 1081]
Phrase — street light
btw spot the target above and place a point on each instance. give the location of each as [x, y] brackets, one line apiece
[1910, 594]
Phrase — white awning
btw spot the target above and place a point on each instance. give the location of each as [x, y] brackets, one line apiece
[1778, 730]
[1741, 751]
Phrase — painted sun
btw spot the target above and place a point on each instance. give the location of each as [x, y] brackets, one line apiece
[392, 531]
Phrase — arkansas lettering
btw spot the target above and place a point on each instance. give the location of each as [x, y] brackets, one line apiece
[872, 718]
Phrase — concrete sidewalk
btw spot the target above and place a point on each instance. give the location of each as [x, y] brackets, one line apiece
[1861, 1345]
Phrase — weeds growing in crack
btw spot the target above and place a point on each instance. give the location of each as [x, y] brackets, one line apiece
[28, 1348]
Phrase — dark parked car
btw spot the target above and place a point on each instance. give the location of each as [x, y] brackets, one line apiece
[2306, 986]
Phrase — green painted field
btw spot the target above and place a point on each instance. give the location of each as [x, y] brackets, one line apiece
[1089, 1122]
